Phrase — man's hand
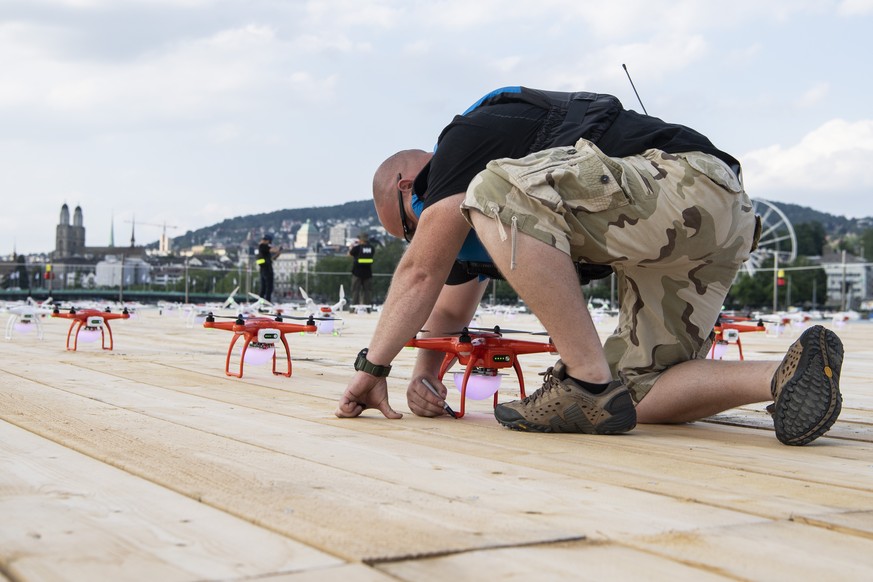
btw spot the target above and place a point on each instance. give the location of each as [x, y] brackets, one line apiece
[365, 391]
[422, 401]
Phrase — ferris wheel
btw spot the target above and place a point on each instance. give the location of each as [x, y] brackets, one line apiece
[777, 237]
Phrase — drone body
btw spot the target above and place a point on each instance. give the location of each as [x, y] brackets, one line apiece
[329, 322]
[259, 334]
[482, 353]
[727, 331]
[90, 323]
[23, 319]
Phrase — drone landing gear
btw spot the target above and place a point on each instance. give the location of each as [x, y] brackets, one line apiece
[248, 338]
[79, 324]
[468, 372]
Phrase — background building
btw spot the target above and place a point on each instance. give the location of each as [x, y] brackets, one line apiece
[307, 236]
[339, 234]
[69, 238]
[849, 280]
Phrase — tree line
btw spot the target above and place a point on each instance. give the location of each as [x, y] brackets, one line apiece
[804, 284]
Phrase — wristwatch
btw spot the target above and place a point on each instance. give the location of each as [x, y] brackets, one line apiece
[362, 364]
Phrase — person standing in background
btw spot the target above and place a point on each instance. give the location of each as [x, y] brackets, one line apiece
[362, 253]
[267, 253]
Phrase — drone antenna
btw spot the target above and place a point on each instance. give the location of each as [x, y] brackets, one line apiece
[634, 88]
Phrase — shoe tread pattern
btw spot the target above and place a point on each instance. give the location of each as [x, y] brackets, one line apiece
[806, 387]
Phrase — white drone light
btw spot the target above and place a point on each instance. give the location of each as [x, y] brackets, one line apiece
[479, 386]
[259, 353]
[89, 334]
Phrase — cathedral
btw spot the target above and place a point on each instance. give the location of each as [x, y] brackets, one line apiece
[70, 240]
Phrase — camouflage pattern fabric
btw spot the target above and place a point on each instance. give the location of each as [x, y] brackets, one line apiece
[674, 227]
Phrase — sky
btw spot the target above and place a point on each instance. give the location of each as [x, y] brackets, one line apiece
[186, 112]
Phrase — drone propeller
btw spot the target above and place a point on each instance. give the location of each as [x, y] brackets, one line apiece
[499, 330]
[240, 318]
[281, 316]
[495, 330]
[277, 317]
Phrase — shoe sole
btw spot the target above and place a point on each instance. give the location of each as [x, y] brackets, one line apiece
[575, 421]
[809, 406]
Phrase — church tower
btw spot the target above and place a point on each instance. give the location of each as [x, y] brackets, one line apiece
[63, 234]
[77, 244]
[69, 238]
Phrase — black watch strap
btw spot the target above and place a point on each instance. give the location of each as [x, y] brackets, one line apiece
[362, 364]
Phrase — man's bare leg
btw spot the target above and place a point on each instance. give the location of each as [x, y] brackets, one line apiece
[545, 278]
[699, 388]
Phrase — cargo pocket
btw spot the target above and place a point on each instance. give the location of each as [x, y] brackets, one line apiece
[578, 178]
[714, 169]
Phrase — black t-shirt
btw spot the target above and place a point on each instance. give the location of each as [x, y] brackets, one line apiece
[633, 133]
[511, 130]
[366, 252]
[469, 142]
[264, 253]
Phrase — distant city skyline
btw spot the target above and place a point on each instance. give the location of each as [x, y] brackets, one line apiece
[188, 112]
[72, 239]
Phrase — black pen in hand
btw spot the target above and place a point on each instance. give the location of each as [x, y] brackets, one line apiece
[433, 390]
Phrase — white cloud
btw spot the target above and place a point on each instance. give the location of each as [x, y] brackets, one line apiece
[508, 63]
[344, 14]
[743, 54]
[323, 43]
[855, 7]
[827, 169]
[814, 95]
[100, 4]
[225, 133]
[226, 71]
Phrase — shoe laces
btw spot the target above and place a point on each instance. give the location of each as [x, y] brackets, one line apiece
[550, 383]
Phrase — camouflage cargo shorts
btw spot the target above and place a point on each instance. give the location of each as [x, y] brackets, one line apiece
[674, 227]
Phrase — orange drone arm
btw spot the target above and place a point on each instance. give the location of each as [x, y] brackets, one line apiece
[443, 344]
[293, 327]
[528, 347]
[108, 315]
[226, 325]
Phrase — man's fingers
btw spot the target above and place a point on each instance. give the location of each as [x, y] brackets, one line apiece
[349, 409]
[389, 412]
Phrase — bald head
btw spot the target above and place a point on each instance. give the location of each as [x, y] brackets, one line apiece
[407, 164]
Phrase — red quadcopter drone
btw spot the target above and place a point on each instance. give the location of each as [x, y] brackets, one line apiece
[89, 325]
[727, 331]
[260, 335]
[483, 351]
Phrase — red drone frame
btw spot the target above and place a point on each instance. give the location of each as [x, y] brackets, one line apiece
[92, 320]
[481, 350]
[263, 332]
[728, 331]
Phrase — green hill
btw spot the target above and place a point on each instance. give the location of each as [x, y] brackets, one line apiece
[233, 231]
[236, 230]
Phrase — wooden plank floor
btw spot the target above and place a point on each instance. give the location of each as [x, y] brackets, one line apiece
[147, 462]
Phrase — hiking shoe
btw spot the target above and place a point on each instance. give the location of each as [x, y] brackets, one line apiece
[561, 405]
[806, 387]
